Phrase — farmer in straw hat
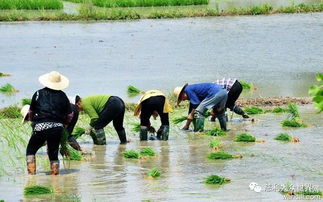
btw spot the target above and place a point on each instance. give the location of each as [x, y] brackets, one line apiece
[49, 112]
[202, 96]
[102, 109]
[234, 88]
[155, 103]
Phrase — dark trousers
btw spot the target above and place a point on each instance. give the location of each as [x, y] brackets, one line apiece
[38, 138]
[114, 111]
[72, 124]
[233, 95]
[150, 105]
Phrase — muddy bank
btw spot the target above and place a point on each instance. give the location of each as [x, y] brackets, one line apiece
[273, 101]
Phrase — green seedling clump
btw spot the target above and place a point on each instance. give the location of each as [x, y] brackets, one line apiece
[25, 101]
[219, 155]
[136, 127]
[293, 110]
[37, 190]
[308, 191]
[78, 132]
[8, 88]
[132, 91]
[214, 179]
[179, 119]
[253, 110]
[131, 154]
[154, 173]
[278, 110]
[215, 132]
[147, 152]
[283, 137]
[74, 155]
[2, 75]
[246, 85]
[294, 123]
[215, 143]
[244, 137]
[11, 112]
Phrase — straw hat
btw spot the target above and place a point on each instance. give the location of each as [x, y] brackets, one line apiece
[24, 111]
[54, 80]
[178, 92]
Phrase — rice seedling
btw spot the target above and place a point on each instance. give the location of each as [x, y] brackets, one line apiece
[74, 155]
[4, 74]
[133, 91]
[136, 127]
[37, 190]
[179, 119]
[283, 137]
[64, 143]
[295, 123]
[244, 137]
[293, 110]
[154, 173]
[253, 110]
[78, 132]
[309, 191]
[146, 3]
[8, 88]
[215, 132]
[147, 152]
[30, 4]
[278, 110]
[219, 155]
[25, 101]
[214, 179]
[215, 144]
[11, 112]
[246, 85]
[131, 154]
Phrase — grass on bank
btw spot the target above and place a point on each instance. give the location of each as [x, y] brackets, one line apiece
[89, 12]
[30, 4]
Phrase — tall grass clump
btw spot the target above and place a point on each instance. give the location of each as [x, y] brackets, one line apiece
[154, 173]
[253, 110]
[244, 137]
[146, 3]
[30, 4]
[37, 190]
[261, 9]
[215, 179]
[8, 88]
[11, 112]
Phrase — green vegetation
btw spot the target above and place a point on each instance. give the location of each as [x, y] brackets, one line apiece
[131, 106]
[179, 119]
[214, 179]
[293, 110]
[154, 173]
[74, 154]
[293, 119]
[4, 74]
[244, 137]
[295, 123]
[147, 151]
[215, 132]
[253, 110]
[131, 154]
[146, 3]
[11, 112]
[316, 91]
[133, 91]
[78, 132]
[246, 85]
[30, 4]
[215, 144]
[136, 127]
[219, 155]
[283, 137]
[278, 110]
[37, 190]
[25, 101]
[308, 191]
[8, 88]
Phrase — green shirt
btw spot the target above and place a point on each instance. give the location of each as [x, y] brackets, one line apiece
[94, 105]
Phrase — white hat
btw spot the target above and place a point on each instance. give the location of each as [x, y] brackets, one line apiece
[178, 92]
[24, 111]
[54, 80]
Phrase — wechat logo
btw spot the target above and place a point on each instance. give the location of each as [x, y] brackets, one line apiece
[253, 186]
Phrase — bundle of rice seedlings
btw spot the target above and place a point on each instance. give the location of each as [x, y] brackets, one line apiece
[293, 110]
[246, 85]
[78, 132]
[214, 179]
[25, 101]
[219, 155]
[179, 119]
[283, 137]
[215, 132]
[8, 88]
[133, 91]
[131, 154]
[309, 191]
[64, 143]
[37, 190]
[244, 137]
[4, 74]
[136, 127]
[147, 152]
[278, 110]
[154, 173]
[215, 144]
[74, 154]
[253, 110]
[11, 112]
[294, 123]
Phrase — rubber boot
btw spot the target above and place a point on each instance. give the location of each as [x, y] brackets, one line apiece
[122, 136]
[54, 167]
[222, 121]
[164, 132]
[199, 124]
[72, 141]
[239, 111]
[31, 164]
[100, 135]
[94, 138]
[143, 133]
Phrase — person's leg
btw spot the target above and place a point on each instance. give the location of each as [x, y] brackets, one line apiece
[118, 122]
[147, 109]
[36, 141]
[53, 140]
[163, 131]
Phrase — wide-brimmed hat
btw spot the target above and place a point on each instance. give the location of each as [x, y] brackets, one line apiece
[24, 111]
[54, 80]
[178, 92]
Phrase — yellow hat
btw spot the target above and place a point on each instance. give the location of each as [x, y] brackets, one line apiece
[178, 92]
[24, 111]
[54, 80]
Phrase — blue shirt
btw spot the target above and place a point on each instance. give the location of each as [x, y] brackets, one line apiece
[198, 92]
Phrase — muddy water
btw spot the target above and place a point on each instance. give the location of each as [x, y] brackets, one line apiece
[279, 53]
[182, 161]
